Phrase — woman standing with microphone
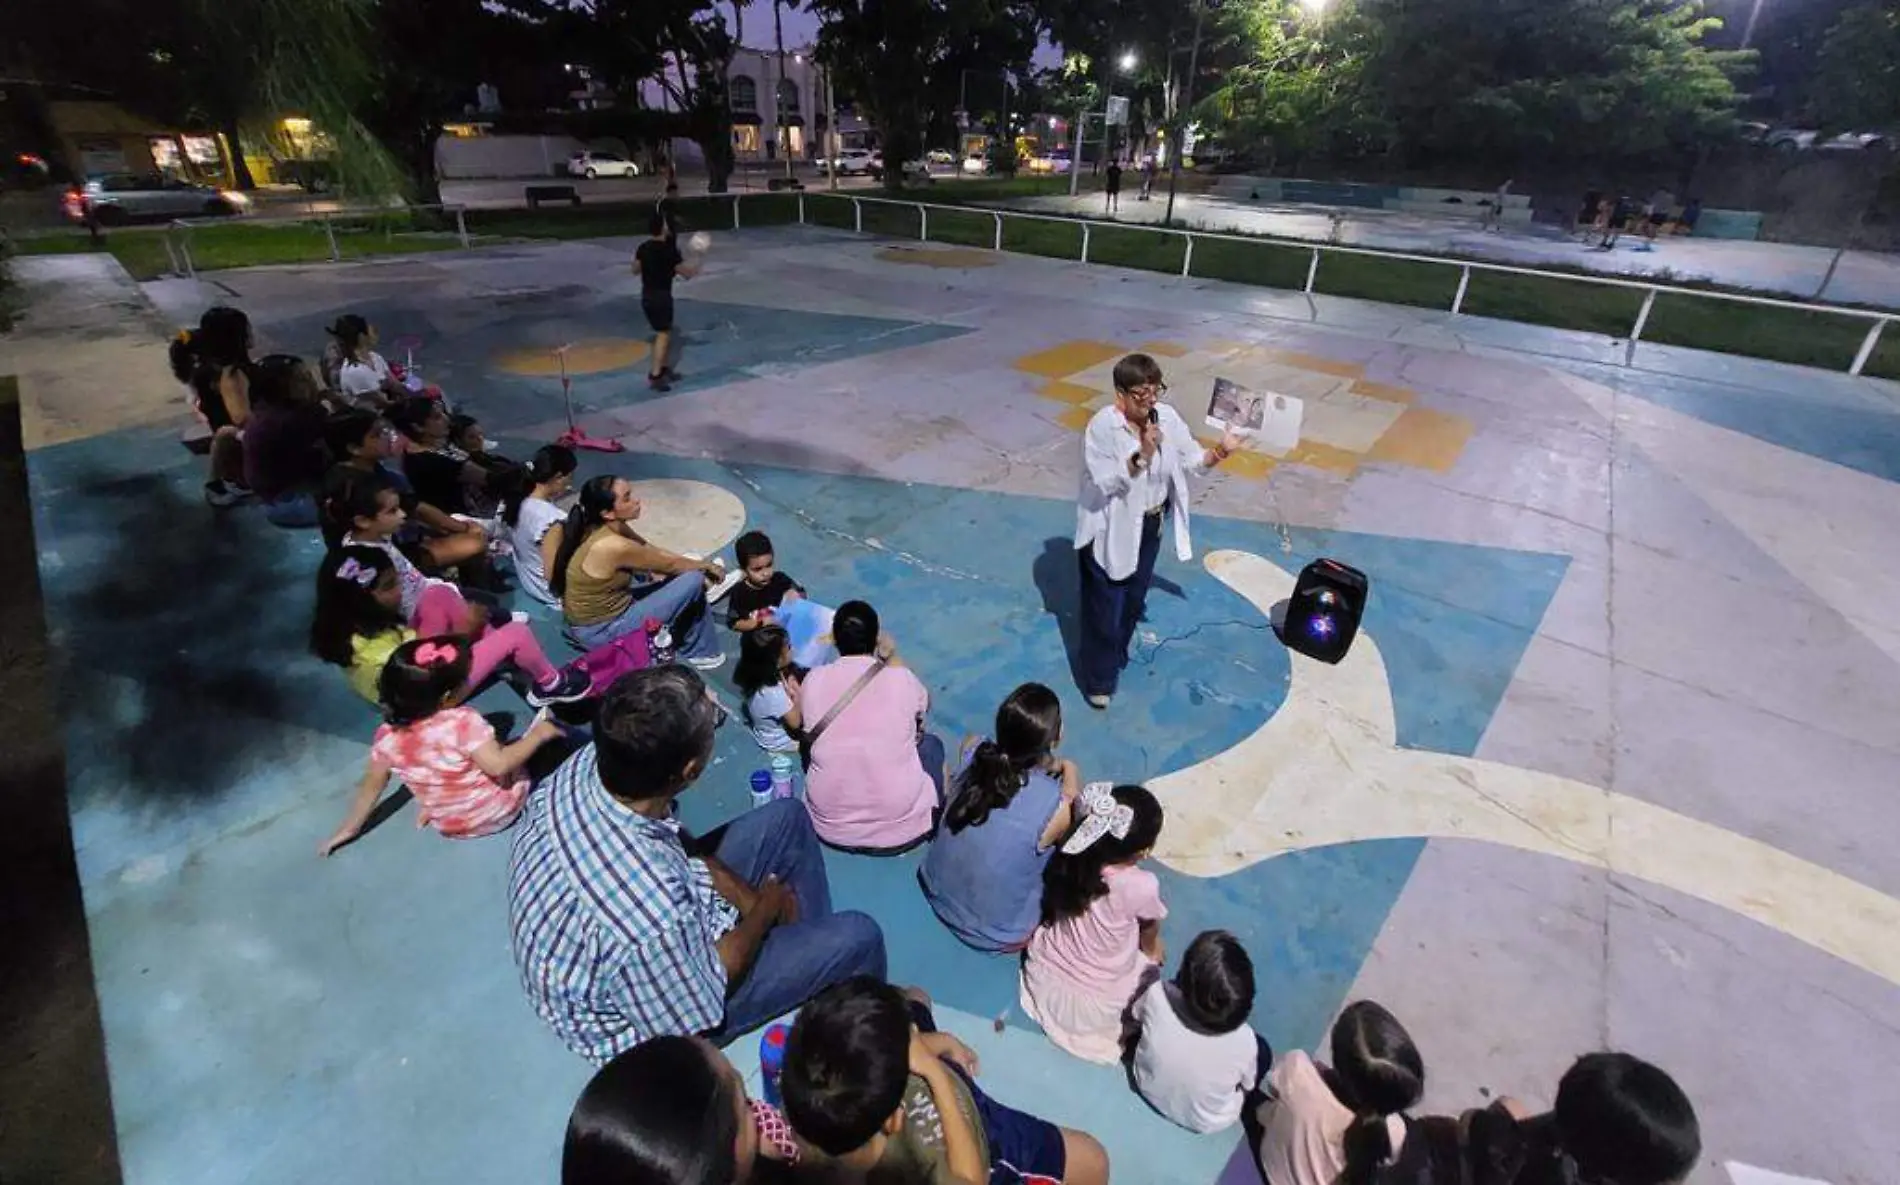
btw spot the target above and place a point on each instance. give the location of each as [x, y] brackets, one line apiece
[1137, 454]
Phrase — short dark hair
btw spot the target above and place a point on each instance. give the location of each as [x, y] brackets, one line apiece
[750, 546]
[1623, 1120]
[656, 223]
[846, 1064]
[1216, 982]
[653, 723]
[660, 1111]
[854, 628]
[1136, 370]
[347, 430]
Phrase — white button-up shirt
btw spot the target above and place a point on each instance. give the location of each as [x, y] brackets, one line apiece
[1109, 510]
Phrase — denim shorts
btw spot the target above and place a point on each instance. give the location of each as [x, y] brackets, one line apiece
[1024, 1150]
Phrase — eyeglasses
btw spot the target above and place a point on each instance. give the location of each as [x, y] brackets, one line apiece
[1145, 395]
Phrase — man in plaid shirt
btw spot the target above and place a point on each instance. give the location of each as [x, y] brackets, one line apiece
[626, 928]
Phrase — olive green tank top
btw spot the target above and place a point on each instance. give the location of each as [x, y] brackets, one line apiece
[589, 599]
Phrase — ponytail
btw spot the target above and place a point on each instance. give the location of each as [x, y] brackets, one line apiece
[550, 461]
[184, 355]
[1378, 1072]
[596, 499]
[1028, 724]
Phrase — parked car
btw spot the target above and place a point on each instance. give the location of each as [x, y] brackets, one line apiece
[601, 164]
[854, 162]
[129, 197]
[1803, 140]
[940, 156]
[976, 165]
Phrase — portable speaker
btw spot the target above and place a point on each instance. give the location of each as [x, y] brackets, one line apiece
[1322, 616]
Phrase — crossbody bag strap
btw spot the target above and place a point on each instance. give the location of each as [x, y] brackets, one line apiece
[817, 730]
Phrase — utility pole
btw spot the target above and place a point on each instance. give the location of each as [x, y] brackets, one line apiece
[1180, 124]
[833, 143]
[779, 131]
[1748, 30]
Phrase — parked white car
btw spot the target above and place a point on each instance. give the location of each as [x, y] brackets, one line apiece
[601, 164]
[1802, 140]
[854, 162]
[130, 197]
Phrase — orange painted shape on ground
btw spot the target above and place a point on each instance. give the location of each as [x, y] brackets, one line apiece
[1318, 455]
[1385, 391]
[1068, 392]
[939, 256]
[1423, 439]
[1068, 358]
[1076, 418]
[1163, 349]
[1344, 370]
[596, 356]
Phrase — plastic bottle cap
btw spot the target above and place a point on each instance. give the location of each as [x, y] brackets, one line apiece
[775, 1035]
[761, 781]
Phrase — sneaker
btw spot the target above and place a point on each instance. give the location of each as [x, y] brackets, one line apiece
[1100, 702]
[518, 617]
[710, 662]
[570, 684]
[726, 584]
[669, 374]
[223, 493]
[658, 382]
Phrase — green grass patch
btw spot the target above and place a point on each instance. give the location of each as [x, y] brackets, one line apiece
[1392, 281]
[828, 210]
[1263, 264]
[963, 227]
[1885, 362]
[892, 221]
[1043, 236]
[1127, 246]
[1561, 304]
[1826, 340]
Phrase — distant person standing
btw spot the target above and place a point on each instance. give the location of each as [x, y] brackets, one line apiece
[1113, 189]
[1494, 212]
[659, 261]
[1147, 177]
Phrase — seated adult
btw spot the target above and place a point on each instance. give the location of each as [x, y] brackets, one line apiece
[627, 928]
[442, 473]
[284, 455]
[875, 778]
[361, 444]
[610, 580]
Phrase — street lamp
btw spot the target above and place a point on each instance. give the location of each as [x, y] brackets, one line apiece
[1129, 59]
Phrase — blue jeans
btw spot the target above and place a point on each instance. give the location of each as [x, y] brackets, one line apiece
[680, 602]
[1111, 609]
[799, 960]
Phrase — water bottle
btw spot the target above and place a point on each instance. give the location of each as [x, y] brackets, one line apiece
[663, 647]
[772, 1062]
[761, 787]
[782, 785]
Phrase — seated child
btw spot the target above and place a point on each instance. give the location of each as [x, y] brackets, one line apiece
[871, 1087]
[465, 433]
[362, 445]
[1100, 937]
[768, 682]
[359, 624]
[533, 520]
[762, 586]
[1009, 805]
[1617, 1119]
[1196, 1058]
[1311, 1134]
[353, 368]
[465, 781]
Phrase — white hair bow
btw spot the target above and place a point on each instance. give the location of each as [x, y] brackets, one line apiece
[1101, 815]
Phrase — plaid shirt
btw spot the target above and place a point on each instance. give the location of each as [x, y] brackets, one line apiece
[614, 925]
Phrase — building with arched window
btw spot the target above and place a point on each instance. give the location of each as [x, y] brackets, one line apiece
[760, 132]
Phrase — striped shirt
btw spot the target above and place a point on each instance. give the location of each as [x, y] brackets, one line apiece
[615, 927]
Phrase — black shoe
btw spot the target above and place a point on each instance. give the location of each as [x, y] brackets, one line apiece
[570, 684]
[658, 382]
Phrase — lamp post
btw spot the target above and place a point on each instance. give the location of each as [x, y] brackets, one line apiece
[1187, 101]
[1127, 62]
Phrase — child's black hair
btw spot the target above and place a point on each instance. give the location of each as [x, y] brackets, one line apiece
[1215, 982]
[349, 331]
[1027, 726]
[846, 1064]
[757, 668]
[1377, 1072]
[346, 605]
[276, 378]
[345, 431]
[1623, 1120]
[359, 497]
[409, 415]
[1071, 883]
[750, 546]
[222, 339]
[420, 676]
[659, 1112]
[550, 461]
[459, 424]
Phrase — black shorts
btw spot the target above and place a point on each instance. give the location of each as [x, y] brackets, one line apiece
[659, 311]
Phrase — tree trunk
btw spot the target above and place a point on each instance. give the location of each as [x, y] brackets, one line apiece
[422, 175]
[240, 169]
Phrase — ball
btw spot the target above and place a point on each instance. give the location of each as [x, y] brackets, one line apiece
[698, 241]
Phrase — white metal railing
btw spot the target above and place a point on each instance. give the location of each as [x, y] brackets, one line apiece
[178, 231]
[1877, 319]
[177, 245]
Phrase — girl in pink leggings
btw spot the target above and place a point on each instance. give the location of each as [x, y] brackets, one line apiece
[359, 624]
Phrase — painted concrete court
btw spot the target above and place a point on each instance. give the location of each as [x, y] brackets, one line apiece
[1613, 764]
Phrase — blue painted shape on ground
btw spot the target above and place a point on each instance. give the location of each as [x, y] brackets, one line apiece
[715, 343]
[208, 750]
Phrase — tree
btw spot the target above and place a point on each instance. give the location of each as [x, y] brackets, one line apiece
[902, 58]
[1856, 81]
[1283, 80]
